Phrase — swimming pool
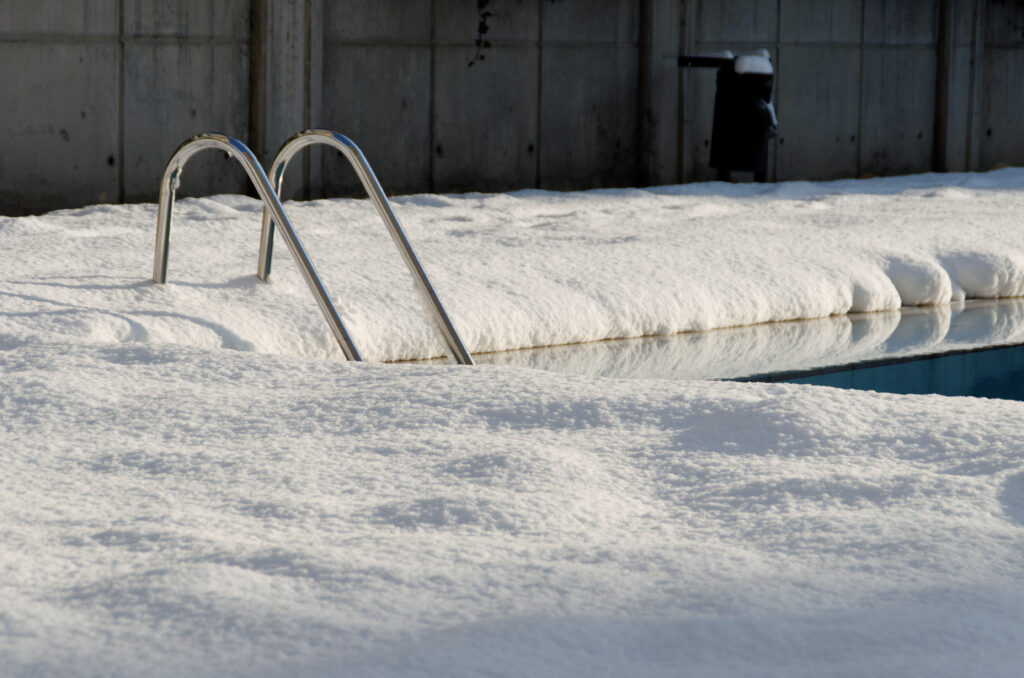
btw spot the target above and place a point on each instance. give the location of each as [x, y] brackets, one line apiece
[962, 349]
[983, 373]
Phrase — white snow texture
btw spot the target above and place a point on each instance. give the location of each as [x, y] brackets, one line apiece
[753, 63]
[194, 483]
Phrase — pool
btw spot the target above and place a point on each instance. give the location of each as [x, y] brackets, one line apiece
[983, 373]
[963, 349]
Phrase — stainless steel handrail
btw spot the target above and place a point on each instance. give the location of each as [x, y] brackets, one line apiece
[240, 152]
[373, 188]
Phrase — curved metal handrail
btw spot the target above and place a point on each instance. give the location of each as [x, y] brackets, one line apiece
[240, 152]
[373, 188]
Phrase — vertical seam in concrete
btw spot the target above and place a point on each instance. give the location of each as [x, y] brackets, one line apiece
[778, 76]
[645, 63]
[257, 76]
[944, 47]
[681, 94]
[540, 92]
[985, 70]
[968, 145]
[688, 45]
[120, 103]
[860, 89]
[307, 67]
[431, 122]
[307, 93]
[315, 83]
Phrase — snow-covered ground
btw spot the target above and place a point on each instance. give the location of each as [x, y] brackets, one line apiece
[522, 269]
[193, 483]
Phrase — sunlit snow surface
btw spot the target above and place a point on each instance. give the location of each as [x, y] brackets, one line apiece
[517, 270]
[193, 483]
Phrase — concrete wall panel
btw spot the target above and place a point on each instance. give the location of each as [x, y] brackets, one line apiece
[284, 87]
[897, 110]
[58, 154]
[485, 123]
[736, 22]
[955, 159]
[855, 89]
[964, 11]
[173, 91]
[588, 117]
[372, 21]
[818, 106]
[513, 21]
[820, 21]
[659, 106]
[286, 83]
[698, 113]
[1004, 23]
[380, 97]
[999, 137]
[590, 21]
[53, 18]
[195, 19]
[898, 22]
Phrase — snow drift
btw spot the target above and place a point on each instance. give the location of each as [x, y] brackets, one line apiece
[193, 484]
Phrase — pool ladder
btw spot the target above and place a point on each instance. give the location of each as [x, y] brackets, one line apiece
[274, 215]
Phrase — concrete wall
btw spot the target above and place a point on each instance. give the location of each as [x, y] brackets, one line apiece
[556, 102]
[106, 89]
[99, 93]
[994, 122]
[185, 70]
[869, 87]
[61, 104]
[570, 94]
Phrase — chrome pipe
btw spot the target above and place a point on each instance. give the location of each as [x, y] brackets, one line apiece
[236, 149]
[373, 188]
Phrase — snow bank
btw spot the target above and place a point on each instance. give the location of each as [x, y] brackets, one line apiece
[193, 483]
[531, 268]
[173, 511]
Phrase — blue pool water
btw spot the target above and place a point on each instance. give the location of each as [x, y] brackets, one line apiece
[986, 373]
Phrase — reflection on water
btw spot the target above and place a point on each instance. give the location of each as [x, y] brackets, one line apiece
[784, 347]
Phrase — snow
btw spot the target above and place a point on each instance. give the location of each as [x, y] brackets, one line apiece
[753, 63]
[524, 269]
[195, 484]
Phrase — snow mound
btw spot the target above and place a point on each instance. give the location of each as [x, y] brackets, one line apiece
[532, 268]
[194, 484]
[179, 511]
